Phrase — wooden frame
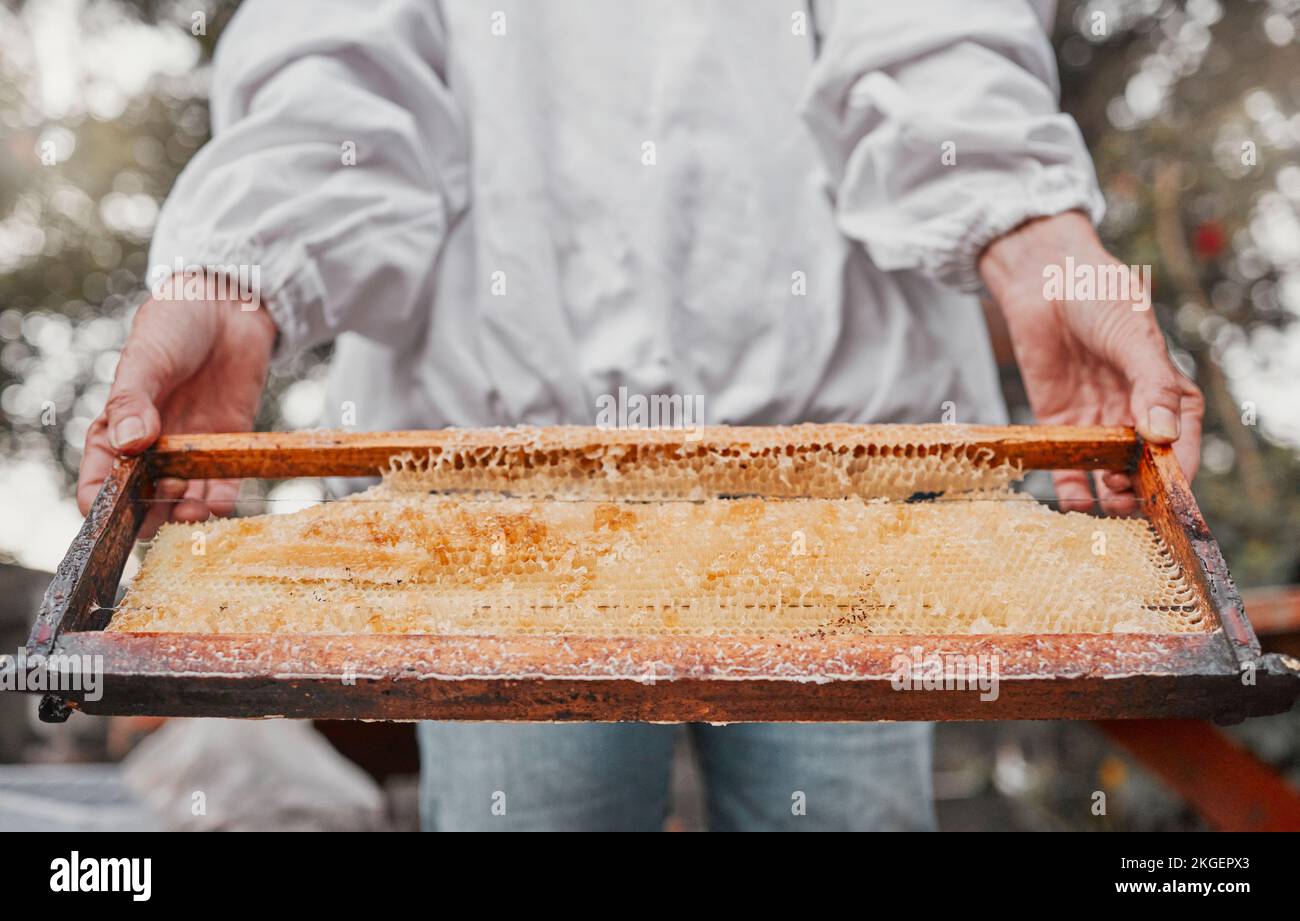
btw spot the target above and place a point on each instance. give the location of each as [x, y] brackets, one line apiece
[1219, 674]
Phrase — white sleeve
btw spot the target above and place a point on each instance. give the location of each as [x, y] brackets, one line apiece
[297, 86]
[939, 123]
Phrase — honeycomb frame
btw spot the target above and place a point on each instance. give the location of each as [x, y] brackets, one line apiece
[822, 677]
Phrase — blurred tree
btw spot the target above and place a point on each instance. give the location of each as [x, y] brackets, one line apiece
[1190, 111]
[79, 193]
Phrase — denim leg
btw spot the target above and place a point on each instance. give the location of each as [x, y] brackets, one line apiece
[817, 777]
[544, 776]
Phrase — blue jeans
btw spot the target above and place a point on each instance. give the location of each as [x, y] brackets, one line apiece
[615, 776]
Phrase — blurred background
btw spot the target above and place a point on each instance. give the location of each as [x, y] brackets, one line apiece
[1191, 110]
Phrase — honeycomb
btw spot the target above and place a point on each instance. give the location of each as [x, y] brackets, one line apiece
[805, 461]
[400, 560]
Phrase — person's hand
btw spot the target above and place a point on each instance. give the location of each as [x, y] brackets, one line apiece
[1089, 362]
[188, 366]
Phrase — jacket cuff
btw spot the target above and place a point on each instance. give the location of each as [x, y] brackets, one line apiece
[948, 248]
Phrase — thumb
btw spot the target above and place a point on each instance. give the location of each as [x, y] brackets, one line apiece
[131, 409]
[1156, 386]
[162, 351]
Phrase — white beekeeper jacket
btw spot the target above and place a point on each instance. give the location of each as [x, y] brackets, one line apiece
[505, 210]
